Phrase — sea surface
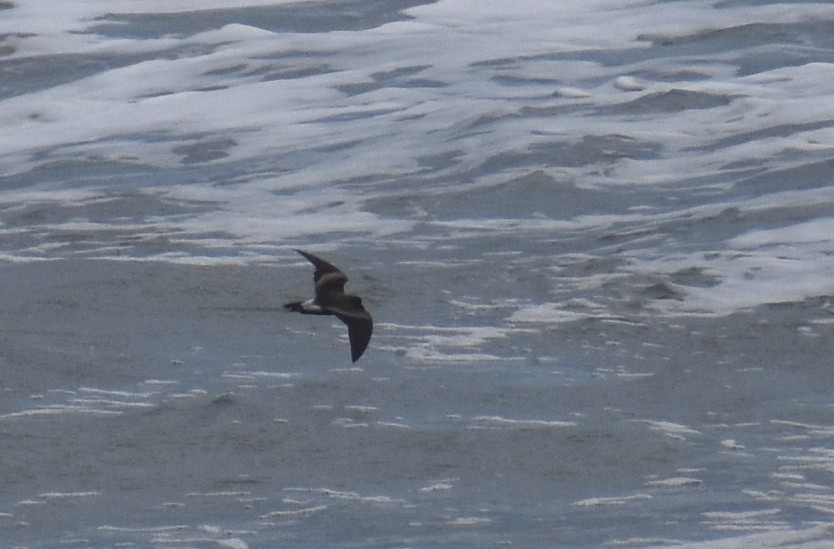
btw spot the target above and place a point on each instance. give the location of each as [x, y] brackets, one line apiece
[596, 238]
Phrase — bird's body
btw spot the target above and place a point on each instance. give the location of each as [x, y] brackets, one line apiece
[330, 299]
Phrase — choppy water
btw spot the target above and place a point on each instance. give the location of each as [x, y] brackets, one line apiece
[597, 239]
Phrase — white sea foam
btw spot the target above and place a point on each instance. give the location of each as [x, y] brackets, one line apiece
[302, 512]
[64, 495]
[60, 410]
[498, 421]
[594, 502]
[553, 313]
[437, 487]
[469, 521]
[675, 482]
[344, 495]
[104, 117]
[672, 430]
[439, 344]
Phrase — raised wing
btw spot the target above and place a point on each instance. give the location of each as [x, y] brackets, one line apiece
[322, 266]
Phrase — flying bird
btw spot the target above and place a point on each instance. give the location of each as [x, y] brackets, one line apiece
[330, 299]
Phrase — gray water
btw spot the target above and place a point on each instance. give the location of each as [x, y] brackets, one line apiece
[599, 265]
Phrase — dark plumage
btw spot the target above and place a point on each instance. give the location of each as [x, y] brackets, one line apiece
[331, 299]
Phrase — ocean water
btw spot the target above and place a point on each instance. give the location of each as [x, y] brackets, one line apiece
[596, 237]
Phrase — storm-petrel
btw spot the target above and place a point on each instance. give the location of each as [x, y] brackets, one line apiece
[331, 299]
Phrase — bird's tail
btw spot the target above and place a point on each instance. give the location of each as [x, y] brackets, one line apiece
[306, 308]
[295, 306]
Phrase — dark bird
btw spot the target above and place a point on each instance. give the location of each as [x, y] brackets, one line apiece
[331, 299]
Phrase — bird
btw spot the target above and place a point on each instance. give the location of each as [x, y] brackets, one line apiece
[330, 299]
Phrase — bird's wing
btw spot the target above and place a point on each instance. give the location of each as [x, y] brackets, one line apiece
[322, 266]
[360, 327]
[330, 287]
